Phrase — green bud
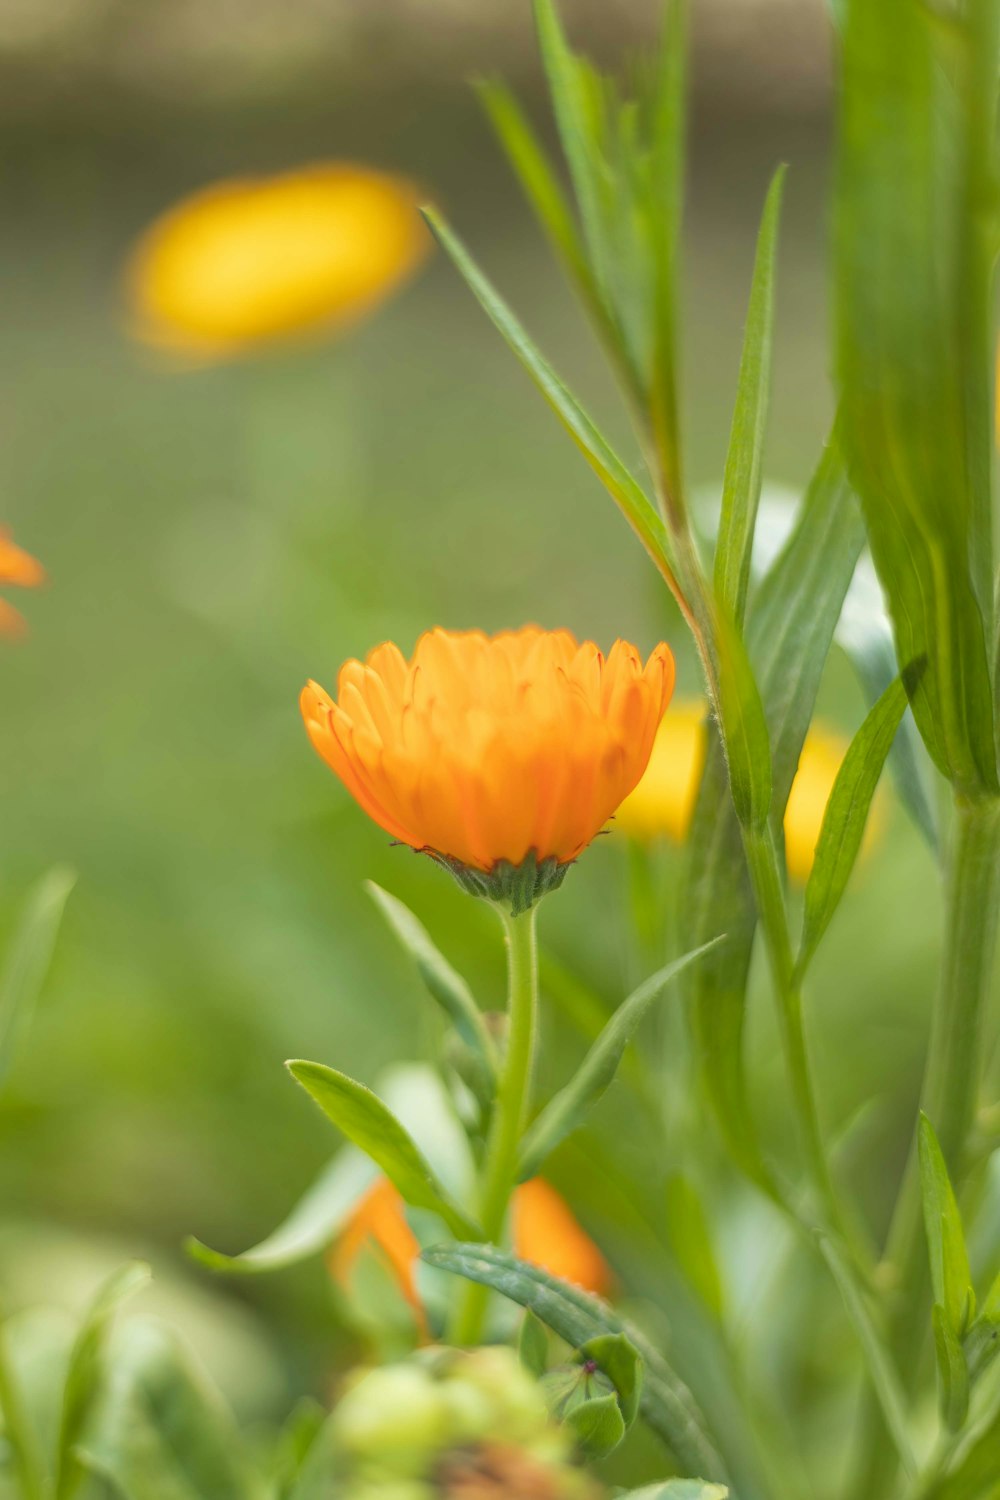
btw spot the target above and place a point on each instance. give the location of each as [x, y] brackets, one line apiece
[391, 1411]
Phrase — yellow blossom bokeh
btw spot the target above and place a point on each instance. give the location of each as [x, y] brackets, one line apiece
[662, 805]
[252, 260]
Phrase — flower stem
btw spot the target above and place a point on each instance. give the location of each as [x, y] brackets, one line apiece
[954, 1064]
[499, 1176]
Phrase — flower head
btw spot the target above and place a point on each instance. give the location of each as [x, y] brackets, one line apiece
[663, 802]
[493, 752]
[19, 568]
[250, 260]
[545, 1232]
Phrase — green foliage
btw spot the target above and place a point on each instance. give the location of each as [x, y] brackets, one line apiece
[913, 264]
[744, 461]
[446, 986]
[691, 1241]
[162, 1432]
[86, 1371]
[666, 1403]
[309, 1228]
[371, 1125]
[950, 1274]
[567, 1109]
[846, 817]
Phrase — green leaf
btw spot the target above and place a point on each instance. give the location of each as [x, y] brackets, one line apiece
[744, 461]
[28, 960]
[666, 202]
[162, 1432]
[950, 1274]
[540, 185]
[572, 102]
[881, 1371]
[617, 1358]
[792, 619]
[864, 634]
[846, 815]
[915, 347]
[666, 1403]
[744, 728]
[533, 1345]
[308, 1230]
[597, 1425]
[445, 985]
[691, 1241]
[86, 1372]
[371, 1125]
[953, 1372]
[626, 490]
[567, 1110]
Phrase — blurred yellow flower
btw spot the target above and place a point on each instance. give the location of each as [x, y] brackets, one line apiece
[545, 1232]
[663, 802]
[252, 260]
[486, 749]
[20, 569]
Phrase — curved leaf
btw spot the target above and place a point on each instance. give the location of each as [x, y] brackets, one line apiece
[28, 959]
[567, 1110]
[666, 1403]
[372, 1126]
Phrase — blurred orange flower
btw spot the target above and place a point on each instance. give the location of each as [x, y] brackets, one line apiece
[484, 750]
[545, 1232]
[663, 802]
[254, 259]
[19, 568]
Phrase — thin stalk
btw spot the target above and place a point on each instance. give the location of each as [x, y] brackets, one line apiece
[510, 1110]
[952, 1074]
[765, 875]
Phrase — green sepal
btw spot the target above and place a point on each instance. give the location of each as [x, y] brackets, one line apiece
[619, 1360]
[515, 887]
[597, 1425]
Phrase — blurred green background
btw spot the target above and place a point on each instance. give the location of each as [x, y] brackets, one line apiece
[213, 537]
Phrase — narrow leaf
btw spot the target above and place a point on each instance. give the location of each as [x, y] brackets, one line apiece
[627, 492]
[568, 88]
[744, 727]
[371, 1125]
[953, 1372]
[882, 1373]
[310, 1228]
[666, 1403]
[446, 986]
[791, 624]
[846, 814]
[949, 1258]
[915, 347]
[540, 185]
[667, 206]
[691, 1241]
[567, 1110]
[744, 461]
[28, 960]
[84, 1378]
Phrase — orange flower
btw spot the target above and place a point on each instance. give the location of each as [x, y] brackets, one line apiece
[545, 1233]
[247, 261]
[19, 568]
[493, 752]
